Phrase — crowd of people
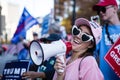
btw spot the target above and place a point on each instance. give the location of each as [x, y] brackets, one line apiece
[90, 43]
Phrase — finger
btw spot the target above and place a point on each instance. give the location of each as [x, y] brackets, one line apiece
[59, 66]
[58, 60]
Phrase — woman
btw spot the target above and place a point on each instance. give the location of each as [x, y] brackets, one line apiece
[81, 65]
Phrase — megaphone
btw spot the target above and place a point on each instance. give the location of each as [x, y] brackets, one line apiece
[40, 52]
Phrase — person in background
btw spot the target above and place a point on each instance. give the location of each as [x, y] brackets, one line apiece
[107, 10]
[54, 28]
[35, 36]
[46, 70]
[81, 65]
[23, 54]
[3, 48]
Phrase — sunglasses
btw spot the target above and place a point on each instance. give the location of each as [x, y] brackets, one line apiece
[84, 36]
[102, 9]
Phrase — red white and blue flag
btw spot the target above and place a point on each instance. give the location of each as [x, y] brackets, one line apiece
[25, 23]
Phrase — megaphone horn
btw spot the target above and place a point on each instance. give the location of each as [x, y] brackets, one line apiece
[40, 52]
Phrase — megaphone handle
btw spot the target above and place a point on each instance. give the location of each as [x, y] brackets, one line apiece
[61, 56]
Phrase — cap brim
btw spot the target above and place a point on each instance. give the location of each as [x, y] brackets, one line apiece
[82, 21]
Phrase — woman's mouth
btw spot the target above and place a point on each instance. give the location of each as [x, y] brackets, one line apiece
[76, 41]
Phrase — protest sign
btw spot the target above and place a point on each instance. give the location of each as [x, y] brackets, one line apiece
[14, 70]
[113, 57]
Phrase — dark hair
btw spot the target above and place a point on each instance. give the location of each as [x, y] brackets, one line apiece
[89, 52]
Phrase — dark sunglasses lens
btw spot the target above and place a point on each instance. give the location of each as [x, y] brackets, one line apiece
[75, 31]
[103, 9]
[85, 37]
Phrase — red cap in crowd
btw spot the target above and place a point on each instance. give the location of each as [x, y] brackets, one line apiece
[103, 3]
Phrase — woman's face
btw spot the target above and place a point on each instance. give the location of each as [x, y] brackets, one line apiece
[78, 43]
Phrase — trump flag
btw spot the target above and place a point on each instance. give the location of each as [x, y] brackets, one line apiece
[25, 23]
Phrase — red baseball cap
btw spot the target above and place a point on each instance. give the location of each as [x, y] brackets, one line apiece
[103, 3]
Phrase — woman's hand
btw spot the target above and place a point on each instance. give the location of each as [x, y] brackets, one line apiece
[60, 65]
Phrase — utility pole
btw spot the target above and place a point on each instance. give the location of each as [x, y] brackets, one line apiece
[74, 12]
